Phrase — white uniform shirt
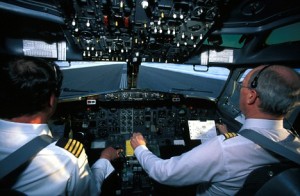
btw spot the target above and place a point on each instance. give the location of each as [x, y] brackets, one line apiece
[54, 170]
[224, 163]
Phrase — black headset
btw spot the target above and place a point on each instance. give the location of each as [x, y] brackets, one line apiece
[254, 81]
[58, 79]
[56, 73]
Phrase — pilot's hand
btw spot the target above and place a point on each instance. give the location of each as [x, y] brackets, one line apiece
[136, 140]
[222, 128]
[110, 153]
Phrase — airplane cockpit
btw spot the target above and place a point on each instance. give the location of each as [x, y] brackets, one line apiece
[167, 69]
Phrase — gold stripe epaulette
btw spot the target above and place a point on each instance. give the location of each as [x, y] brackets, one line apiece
[229, 135]
[71, 145]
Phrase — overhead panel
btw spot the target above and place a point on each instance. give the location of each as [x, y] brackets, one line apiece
[144, 30]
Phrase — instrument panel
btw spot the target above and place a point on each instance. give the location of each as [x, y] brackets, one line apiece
[113, 117]
[109, 119]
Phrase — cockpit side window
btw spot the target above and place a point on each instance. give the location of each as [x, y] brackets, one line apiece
[285, 34]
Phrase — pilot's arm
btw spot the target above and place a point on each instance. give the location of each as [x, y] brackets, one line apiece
[199, 164]
[87, 181]
[102, 168]
[82, 181]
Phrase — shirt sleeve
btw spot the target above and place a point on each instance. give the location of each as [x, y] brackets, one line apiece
[201, 164]
[87, 181]
[82, 180]
[101, 169]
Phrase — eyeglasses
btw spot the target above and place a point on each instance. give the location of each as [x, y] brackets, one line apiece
[239, 86]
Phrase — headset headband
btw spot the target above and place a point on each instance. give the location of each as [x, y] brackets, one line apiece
[254, 81]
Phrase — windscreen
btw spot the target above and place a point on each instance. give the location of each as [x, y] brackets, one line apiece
[82, 78]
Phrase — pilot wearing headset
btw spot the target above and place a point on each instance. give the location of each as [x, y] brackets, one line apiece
[221, 165]
[29, 92]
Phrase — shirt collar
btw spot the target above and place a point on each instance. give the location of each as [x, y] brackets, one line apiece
[263, 124]
[27, 128]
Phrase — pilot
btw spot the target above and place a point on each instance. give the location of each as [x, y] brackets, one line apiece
[29, 92]
[221, 165]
